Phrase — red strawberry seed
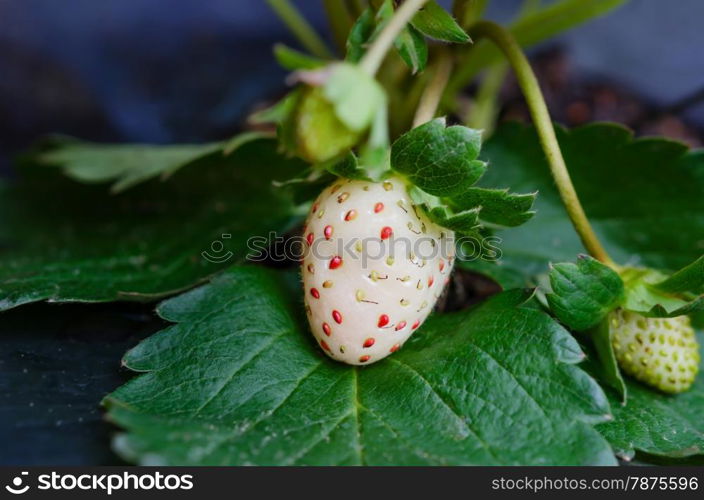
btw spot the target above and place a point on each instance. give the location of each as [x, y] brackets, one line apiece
[337, 317]
[327, 232]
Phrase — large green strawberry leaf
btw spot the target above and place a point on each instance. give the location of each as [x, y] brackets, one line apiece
[123, 164]
[65, 241]
[644, 196]
[237, 379]
[655, 423]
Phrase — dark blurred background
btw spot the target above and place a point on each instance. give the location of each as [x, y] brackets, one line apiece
[189, 70]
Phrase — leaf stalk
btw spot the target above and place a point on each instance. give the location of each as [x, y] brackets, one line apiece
[377, 52]
[430, 99]
[301, 29]
[546, 132]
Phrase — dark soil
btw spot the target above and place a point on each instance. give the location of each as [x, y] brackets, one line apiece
[577, 99]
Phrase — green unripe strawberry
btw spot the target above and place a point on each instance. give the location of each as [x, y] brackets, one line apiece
[660, 352]
[320, 135]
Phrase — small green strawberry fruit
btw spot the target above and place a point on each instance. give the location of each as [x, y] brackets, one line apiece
[320, 135]
[661, 352]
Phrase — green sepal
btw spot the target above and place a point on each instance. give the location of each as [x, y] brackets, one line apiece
[654, 294]
[609, 370]
[355, 95]
[283, 115]
[307, 185]
[348, 168]
[294, 60]
[499, 206]
[689, 279]
[440, 160]
[465, 222]
[320, 135]
[583, 294]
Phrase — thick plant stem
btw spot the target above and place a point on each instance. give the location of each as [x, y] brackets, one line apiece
[430, 99]
[356, 7]
[339, 20]
[298, 25]
[468, 12]
[381, 45]
[485, 109]
[541, 118]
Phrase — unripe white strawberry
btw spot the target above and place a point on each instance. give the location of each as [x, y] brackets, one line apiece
[374, 268]
[661, 352]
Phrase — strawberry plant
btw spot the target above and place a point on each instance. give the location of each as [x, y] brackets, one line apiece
[384, 186]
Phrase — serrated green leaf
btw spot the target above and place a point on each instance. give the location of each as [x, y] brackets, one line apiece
[657, 424]
[293, 60]
[65, 241]
[584, 293]
[643, 197]
[466, 222]
[435, 22]
[439, 160]
[238, 380]
[360, 34]
[409, 43]
[123, 164]
[498, 206]
[412, 48]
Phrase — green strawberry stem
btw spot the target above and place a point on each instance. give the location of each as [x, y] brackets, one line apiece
[546, 132]
[339, 20]
[298, 25]
[377, 52]
[430, 99]
[467, 12]
[356, 7]
[485, 109]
